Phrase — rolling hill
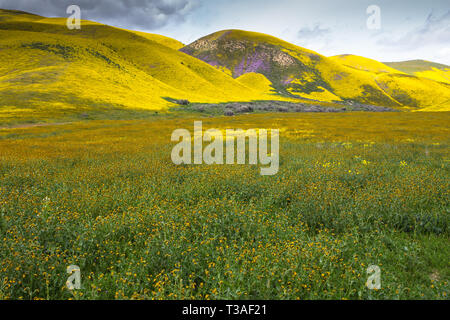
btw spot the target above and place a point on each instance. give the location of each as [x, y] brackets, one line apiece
[47, 69]
[302, 73]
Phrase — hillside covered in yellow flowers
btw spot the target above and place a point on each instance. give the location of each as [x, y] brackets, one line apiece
[45, 67]
[301, 73]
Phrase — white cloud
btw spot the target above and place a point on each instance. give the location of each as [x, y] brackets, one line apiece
[435, 30]
[312, 33]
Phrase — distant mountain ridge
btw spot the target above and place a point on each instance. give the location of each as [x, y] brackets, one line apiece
[422, 68]
[412, 66]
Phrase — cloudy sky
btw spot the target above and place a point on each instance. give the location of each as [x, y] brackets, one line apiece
[408, 29]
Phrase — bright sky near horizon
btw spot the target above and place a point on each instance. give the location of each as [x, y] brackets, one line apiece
[409, 29]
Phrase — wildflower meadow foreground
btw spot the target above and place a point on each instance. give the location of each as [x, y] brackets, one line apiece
[356, 196]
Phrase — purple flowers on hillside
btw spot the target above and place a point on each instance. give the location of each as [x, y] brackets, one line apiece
[288, 81]
[254, 63]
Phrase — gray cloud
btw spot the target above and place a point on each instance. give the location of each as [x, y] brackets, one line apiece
[147, 14]
[317, 31]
